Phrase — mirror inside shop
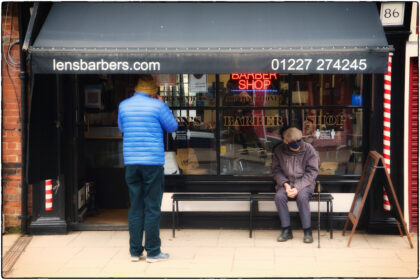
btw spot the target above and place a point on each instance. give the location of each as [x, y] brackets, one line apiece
[230, 123]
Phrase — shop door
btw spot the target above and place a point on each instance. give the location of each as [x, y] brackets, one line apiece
[45, 161]
[71, 144]
[100, 139]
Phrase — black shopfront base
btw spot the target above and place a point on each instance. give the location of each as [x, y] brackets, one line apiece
[48, 225]
[54, 222]
[48, 222]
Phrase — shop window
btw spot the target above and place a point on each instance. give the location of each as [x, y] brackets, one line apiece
[104, 153]
[187, 90]
[253, 110]
[336, 135]
[247, 140]
[229, 123]
[324, 90]
[253, 89]
[194, 143]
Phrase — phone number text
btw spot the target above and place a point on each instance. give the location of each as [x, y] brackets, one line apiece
[322, 64]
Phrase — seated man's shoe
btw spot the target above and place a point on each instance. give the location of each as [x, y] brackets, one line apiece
[307, 236]
[285, 235]
[158, 258]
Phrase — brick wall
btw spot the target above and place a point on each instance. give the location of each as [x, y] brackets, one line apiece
[11, 126]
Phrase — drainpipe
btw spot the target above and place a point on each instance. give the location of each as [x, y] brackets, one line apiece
[23, 88]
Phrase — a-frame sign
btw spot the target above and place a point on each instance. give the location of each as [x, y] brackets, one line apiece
[374, 165]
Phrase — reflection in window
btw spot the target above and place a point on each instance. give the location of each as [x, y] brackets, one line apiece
[187, 90]
[194, 143]
[103, 153]
[247, 139]
[249, 130]
[336, 135]
[337, 89]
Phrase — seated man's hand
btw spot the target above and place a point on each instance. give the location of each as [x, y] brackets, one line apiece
[288, 188]
[292, 193]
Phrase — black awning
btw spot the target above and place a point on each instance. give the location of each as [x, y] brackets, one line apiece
[317, 37]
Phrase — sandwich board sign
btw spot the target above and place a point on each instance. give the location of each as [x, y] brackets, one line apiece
[374, 166]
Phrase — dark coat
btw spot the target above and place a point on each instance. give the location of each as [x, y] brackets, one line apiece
[299, 168]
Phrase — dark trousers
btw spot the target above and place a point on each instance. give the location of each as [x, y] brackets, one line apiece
[145, 187]
[302, 201]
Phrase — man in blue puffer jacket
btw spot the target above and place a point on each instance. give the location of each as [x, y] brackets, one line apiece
[142, 119]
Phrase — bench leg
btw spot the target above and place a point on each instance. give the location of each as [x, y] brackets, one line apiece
[329, 216]
[319, 225]
[177, 215]
[173, 218]
[251, 204]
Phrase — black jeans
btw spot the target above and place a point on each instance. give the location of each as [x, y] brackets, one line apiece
[145, 187]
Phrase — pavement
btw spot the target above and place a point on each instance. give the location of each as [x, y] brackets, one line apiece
[218, 253]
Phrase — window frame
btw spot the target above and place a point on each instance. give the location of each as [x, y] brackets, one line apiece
[218, 108]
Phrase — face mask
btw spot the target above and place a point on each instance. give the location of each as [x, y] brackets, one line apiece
[294, 145]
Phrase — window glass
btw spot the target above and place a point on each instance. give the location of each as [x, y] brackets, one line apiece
[247, 139]
[187, 90]
[336, 135]
[248, 134]
[103, 153]
[193, 145]
[321, 90]
[253, 89]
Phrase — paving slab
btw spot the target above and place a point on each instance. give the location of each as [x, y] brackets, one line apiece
[7, 241]
[220, 253]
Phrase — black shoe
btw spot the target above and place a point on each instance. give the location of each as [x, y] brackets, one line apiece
[285, 235]
[307, 236]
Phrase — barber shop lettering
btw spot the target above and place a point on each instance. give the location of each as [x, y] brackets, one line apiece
[267, 121]
[258, 99]
[253, 81]
[315, 121]
[323, 121]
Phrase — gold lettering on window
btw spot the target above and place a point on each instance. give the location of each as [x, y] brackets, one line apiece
[326, 120]
[267, 121]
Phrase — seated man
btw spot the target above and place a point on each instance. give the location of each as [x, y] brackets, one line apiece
[295, 168]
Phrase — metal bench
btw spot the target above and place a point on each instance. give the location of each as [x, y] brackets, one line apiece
[324, 197]
[204, 197]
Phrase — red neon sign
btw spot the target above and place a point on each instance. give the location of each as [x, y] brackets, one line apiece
[253, 81]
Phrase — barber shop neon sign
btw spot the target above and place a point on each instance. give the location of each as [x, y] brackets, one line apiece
[253, 81]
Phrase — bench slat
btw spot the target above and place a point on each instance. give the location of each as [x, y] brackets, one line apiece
[211, 197]
[270, 196]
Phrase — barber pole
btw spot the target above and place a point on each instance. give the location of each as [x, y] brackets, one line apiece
[48, 195]
[387, 128]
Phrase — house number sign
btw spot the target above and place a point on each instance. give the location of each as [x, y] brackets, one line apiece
[392, 13]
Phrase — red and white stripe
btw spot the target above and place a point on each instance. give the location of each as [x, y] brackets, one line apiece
[48, 195]
[387, 127]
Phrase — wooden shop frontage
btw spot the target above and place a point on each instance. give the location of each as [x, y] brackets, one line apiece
[235, 76]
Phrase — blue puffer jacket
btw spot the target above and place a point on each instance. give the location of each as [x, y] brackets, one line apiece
[142, 120]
